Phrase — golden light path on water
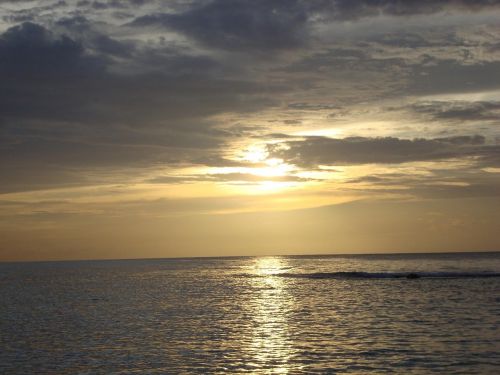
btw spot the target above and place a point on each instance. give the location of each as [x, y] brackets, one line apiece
[271, 339]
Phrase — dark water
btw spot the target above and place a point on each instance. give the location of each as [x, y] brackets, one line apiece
[337, 314]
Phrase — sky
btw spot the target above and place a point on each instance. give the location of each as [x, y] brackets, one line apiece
[144, 128]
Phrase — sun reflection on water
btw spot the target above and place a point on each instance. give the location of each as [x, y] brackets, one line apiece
[271, 341]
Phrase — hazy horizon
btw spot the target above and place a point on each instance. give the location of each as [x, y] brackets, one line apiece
[264, 256]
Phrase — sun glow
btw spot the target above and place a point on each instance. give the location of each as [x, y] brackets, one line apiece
[259, 172]
[272, 305]
[255, 154]
[273, 167]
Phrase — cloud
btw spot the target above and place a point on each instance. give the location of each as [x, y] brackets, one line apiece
[315, 151]
[29, 51]
[243, 24]
[284, 24]
[238, 178]
[111, 4]
[458, 110]
[466, 182]
[356, 9]
[313, 106]
[81, 90]
[84, 86]
[435, 75]
[417, 40]
[96, 102]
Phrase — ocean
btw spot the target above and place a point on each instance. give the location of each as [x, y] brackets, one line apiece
[342, 314]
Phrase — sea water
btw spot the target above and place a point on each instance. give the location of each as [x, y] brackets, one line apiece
[403, 314]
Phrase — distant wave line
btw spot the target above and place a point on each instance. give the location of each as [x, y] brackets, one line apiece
[389, 275]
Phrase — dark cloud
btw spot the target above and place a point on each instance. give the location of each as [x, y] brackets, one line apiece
[352, 59]
[459, 110]
[83, 88]
[277, 136]
[493, 47]
[292, 122]
[63, 104]
[78, 23]
[283, 24]
[19, 17]
[490, 157]
[258, 24]
[29, 13]
[29, 51]
[404, 40]
[371, 72]
[349, 75]
[110, 46]
[421, 39]
[356, 9]
[105, 5]
[434, 75]
[313, 106]
[111, 4]
[314, 151]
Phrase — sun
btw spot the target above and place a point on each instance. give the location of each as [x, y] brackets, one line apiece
[266, 167]
[255, 153]
[258, 173]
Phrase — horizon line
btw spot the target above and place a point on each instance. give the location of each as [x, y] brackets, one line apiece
[248, 256]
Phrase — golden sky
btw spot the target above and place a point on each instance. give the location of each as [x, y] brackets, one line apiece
[202, 128]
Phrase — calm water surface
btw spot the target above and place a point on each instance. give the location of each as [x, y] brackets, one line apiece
[324, 314]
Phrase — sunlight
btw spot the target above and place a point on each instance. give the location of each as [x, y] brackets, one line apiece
[274, 186]
[269, 266]
[272, 305]
[268, 174]
[274, 169]
[255, 154]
